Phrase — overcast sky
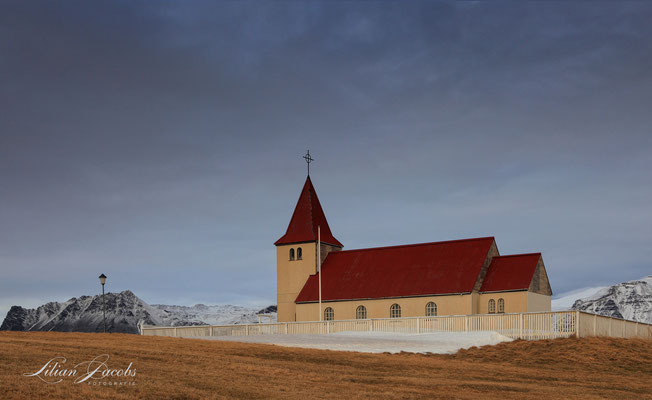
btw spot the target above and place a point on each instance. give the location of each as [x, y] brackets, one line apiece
[160, 143]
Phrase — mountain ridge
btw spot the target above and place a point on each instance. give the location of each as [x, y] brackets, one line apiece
[631, 300]
[124, 312]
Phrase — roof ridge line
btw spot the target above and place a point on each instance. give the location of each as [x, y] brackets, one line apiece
[312, 218]
[518, 255]
[413, 245]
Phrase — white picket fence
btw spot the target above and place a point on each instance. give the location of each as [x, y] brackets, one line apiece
[529, 326]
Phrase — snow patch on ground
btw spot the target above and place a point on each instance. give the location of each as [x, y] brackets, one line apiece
[378, 342]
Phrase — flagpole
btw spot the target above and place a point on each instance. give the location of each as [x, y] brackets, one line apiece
[319, 267]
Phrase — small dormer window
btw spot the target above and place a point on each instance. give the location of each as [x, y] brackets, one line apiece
[299, 253]
[291, 254]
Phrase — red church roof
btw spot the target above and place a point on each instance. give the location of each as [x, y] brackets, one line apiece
[513, 272]
[399, 271]
[308, 215]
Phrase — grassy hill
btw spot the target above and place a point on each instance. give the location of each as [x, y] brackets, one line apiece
[187, 368]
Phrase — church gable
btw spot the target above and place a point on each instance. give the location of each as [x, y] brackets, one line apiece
[540, 283]
[515, 272]
[493, 252]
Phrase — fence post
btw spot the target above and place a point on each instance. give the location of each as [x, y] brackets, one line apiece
[636, 330]
[418, 325]
[466, 323]
[286, 328]
[624, 324]
[211, 330]
[247, 330]
[595, 325]
[520, 326]
[577, 324]
[175, 331]
[371, 325]
[609, 327]
[328, 327]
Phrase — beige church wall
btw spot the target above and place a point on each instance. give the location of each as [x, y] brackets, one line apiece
[537, 302]
[410, 307]
[515, 302]
[475, 303]
[291, 276]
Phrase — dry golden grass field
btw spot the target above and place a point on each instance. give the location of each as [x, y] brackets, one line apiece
[192, 369]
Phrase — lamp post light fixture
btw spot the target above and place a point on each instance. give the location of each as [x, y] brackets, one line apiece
[103, 281]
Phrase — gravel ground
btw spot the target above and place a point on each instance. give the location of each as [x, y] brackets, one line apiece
[377, 342]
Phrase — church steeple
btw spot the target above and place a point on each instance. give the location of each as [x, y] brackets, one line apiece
[297, 253]
[307, 216]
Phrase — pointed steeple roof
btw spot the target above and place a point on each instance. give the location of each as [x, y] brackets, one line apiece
[308, 215]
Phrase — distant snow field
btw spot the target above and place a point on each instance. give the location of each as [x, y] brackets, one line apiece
[566, 300]
[378, 342]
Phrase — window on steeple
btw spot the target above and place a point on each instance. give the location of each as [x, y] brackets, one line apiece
[299, 253]
[291, 254]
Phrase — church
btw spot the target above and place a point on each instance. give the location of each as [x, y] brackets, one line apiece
[456, 277]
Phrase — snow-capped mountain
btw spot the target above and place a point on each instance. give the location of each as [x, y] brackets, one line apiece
[201, 314]
[84, 314]
[630, 300]
[124, 311]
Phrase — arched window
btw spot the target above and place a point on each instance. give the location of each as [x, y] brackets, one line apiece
[291, 254]
[395, 311]
[361, 312]
[501, 306]
[299, 253]
[431, 309]
[492, 306]
[329, 314]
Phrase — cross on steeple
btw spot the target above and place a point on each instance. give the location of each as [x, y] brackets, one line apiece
[308, 160]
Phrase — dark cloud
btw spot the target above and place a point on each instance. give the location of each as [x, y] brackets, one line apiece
[159, 142]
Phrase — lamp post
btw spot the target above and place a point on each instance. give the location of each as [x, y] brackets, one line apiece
[103, 281]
